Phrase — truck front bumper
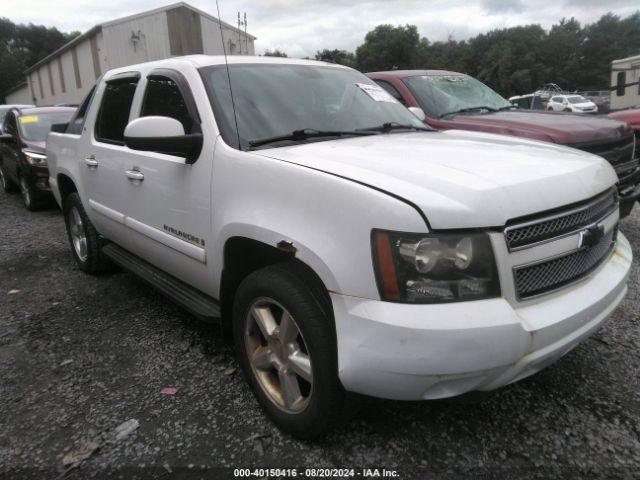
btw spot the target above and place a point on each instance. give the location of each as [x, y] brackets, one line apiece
[414, 352]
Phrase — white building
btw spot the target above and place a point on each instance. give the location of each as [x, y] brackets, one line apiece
[625, 83]
[66, 75]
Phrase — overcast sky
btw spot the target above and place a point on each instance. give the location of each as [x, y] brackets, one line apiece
[300, 27]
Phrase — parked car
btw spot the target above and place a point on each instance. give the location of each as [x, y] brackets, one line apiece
[23, 161]
[571, 103]
[530, 101]
[346, 245]
[4, 109]
[450, 100]
[602, 99]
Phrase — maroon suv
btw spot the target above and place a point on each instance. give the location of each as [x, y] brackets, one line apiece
[450, 100]
[23, 160]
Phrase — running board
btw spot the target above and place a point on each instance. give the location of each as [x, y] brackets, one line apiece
[196, 302]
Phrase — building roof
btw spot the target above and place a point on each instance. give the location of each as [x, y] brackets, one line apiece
[98, 28]
[628, 59]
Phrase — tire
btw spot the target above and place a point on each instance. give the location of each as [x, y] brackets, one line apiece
[7, 184]
[319, 398]
[29, 197]
[84, 240]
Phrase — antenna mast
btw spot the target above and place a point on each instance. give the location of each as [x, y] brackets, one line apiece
[226, 62]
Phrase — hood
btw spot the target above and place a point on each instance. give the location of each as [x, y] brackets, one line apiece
[37, 147]
[556, 127]
[460, 179]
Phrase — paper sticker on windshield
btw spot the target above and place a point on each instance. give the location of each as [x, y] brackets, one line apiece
[377, 93]
[29, 119]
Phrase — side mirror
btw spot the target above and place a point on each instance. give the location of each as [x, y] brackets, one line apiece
[418, 112]
[7, 138]
[163, 135]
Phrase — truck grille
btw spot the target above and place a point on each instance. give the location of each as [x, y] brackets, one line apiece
[524, 233]
[547, 275]
[620, 154]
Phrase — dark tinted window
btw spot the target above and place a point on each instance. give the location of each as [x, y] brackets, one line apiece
[622, 79]
[77, 122]
[391, 90]
[114, 111]
[163, 97]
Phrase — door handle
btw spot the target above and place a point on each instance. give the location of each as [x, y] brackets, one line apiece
[91, 162]
[134, 175]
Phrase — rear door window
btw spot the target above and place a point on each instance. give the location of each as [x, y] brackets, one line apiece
[114, 110]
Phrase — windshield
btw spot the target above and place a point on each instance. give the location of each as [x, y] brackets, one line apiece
[274, 100]
[444, 94]
[577, 99]
[34, 128]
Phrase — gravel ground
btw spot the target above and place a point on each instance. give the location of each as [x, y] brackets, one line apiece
[80, 355]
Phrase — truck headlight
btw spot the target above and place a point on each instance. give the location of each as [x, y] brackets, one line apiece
[33, 158]
[434, 268]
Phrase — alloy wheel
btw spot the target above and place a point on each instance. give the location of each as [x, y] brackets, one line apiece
[278, 355]
[77, 233]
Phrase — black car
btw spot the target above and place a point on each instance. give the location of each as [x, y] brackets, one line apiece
[23, 160]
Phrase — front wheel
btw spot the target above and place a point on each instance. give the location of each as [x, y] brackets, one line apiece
[84, 240]
[28, 195]
[286, 347]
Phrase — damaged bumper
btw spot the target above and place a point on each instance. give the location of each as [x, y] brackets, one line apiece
[414, 352]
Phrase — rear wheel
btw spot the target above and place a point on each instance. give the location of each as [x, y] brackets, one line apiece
[7, 185]
[286, 346]
[84, 240]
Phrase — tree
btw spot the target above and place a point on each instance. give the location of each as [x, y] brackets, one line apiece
[387, 47]
[274, 53]
[23, 45]
[341, 57]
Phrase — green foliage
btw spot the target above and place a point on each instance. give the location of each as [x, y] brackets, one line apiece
[23, 45]
[511, 60]
[387, 47]
[275, 53]
[341, 57]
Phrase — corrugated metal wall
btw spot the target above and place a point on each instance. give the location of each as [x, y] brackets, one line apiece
[77, 80]
[212, 42]
[68, 77]
[21, 96]
[121, 48]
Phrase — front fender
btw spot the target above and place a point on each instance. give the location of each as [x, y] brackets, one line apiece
[328, 218]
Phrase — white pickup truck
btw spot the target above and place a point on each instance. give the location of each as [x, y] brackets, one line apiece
[345, 245]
